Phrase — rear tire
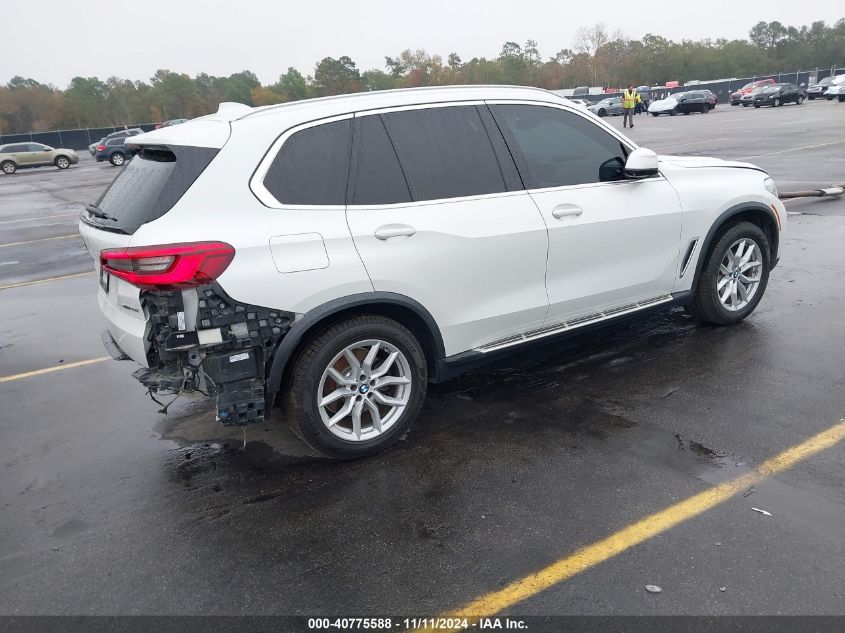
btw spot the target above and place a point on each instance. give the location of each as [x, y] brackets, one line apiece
[62, 162]
[841, 98]
[117, 159]
[706, 304]
[8, 167]
[673, 112]
[322, 369]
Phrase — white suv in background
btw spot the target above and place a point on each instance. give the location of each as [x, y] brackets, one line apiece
[836, 89]
[337, 254]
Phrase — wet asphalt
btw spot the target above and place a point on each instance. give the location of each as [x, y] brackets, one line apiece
[109, 507]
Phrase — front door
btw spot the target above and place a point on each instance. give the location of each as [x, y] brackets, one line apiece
[613, 242]
[439, 215]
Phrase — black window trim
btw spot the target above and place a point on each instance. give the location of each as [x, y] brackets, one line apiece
[522, 165]
[256, 181]
[479, 104]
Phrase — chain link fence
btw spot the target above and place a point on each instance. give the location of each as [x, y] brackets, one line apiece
[69, 139]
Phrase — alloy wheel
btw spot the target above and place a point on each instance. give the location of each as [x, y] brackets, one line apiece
[364, 390]
[62, 163]
[740, 273]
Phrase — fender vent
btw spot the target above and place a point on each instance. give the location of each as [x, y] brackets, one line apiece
[688, 256]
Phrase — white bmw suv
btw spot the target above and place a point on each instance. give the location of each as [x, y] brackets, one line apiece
[332, 256]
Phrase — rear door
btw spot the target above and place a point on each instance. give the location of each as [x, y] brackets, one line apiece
[613, 243]
[438, 214]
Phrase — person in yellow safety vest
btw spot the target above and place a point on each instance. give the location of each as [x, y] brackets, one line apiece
[630, 99]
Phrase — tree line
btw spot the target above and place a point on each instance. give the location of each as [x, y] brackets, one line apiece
[598, 58]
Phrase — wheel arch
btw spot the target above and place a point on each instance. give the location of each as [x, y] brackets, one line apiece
[754, 212]
[404, 310]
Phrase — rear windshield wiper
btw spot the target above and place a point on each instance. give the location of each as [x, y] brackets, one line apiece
[99, 213]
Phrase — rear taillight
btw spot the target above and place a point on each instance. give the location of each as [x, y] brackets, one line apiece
[101, 148]
[169, 266]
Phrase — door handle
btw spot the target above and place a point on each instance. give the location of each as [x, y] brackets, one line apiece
[567, 210]
[394, 230]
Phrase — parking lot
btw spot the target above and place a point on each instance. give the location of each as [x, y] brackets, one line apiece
[112, 508]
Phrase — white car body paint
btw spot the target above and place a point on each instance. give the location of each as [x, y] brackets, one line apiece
[663, 105]
[485, 267]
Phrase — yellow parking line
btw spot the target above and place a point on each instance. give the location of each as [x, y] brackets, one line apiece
[43, 239]
[38, 217]
[644, 529]
[41, 281]
[49, 370]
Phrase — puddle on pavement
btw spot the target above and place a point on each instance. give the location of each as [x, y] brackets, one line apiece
[544, 401]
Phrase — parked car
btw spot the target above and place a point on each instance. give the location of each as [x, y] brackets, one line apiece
[285, 253]
[748, 98]
[22, 155]
[645, 98]
[115, 150]
[92, 148]
[607, 107]
[683, 102]
[819, 88]
[836, 89]
[737, 95]
[170, 122]
[779, 94]
[713, 95]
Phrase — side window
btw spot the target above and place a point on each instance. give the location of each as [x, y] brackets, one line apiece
[378, 175]
[37, 147]
[554, 147]
[312, 166]
[445, 151]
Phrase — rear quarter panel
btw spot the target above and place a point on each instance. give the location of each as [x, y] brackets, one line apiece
[221, 206]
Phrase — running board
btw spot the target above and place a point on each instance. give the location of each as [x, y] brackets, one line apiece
[572, 324]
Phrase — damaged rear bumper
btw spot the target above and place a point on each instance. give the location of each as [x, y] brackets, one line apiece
[201, 340]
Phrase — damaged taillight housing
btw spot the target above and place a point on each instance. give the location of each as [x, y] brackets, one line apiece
[168, 266]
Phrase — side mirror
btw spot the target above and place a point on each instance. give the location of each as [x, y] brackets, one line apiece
[641, 163]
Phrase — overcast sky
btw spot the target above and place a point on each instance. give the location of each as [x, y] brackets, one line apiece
[54, 40]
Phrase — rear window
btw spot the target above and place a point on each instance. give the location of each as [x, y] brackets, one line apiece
[150, 184]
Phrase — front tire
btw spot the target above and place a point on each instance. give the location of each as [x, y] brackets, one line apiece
[602, 112]
[776, 102]
[8, 167]
[356, 387]
[800, 100]
[734, 276]
[62, 162]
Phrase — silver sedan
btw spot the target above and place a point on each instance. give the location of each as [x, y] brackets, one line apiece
[607, 107]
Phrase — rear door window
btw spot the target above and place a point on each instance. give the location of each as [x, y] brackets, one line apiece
[445, 152]
[378, 174]
[312, 166]
[149, 185]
